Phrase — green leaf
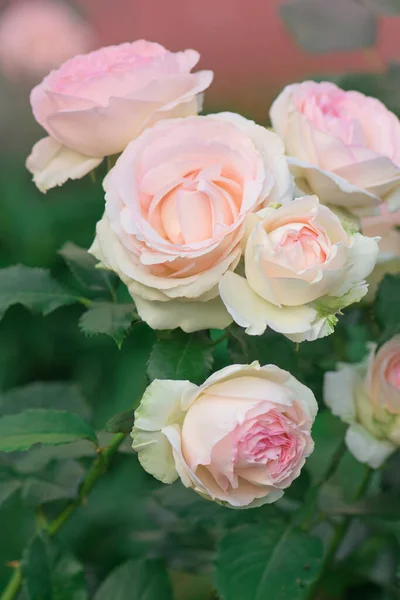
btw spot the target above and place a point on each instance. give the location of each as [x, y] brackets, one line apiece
[181, 356]
[328, 434]
[383, 7]
[387, 304]
[33, 288]
[56, 482]
[83, 267]
[7, 489]
[120, 423]
[273, 560]
[42, 426]
[49, 573]
[136, 580]
[111, 319]
[58, 396]
[324, 26]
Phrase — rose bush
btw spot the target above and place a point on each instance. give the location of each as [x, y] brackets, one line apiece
[367, 397]
[240, 439]
[176, 201]
[95, 104]
[300, 268]
[342, 146]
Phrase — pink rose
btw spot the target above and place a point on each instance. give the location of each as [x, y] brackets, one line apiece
[95, 104]
[367, 397]
[342, 146]
[240, 439]
[39, 35]
[176, 201]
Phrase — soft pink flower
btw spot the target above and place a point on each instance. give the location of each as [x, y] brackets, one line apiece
[240, 439]
[343, 146]
[386, 227]
[176, 201]
[95, 104]
[39, 35]
[383, 376]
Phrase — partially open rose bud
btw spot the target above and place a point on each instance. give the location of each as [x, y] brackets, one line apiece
[367, 397]
[240, 439]
[300, 267]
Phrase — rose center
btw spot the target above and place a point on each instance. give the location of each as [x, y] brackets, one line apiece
[303, 246]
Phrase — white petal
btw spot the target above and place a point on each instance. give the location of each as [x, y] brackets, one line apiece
[363, 256]
[155, 454]
[332, 189]
[256, 314]
[366, 448]
[189, 315]
[339, 392]
[51, 164]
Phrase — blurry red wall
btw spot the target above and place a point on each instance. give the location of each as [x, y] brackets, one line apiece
[243, 41]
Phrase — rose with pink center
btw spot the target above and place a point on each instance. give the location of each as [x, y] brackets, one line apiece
[95, 104]
[295, 256]
[176, 202]
[335, 148]
[240, 439]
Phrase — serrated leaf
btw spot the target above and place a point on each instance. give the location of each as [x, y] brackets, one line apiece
[136, 580]
[54, 395]
[181, 356]
[49, 573]
[324, 26]
[274, 560]
[387, 305]
[33, 288]
[83, 267]
[108, 318]
[42, 426]
[120, 423]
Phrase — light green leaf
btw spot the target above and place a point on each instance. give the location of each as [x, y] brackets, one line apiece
[49, 573]
[42, 426]
[274, 561]
[136, 580]
[58, 396]
[108, 318]
[83, 267]
[33, 288]
[323, 26]
[181, 356]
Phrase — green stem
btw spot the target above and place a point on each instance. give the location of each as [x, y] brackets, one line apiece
[340, 532]
[97, 469]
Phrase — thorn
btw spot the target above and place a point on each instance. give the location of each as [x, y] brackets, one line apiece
[84, 501]
[14, 564]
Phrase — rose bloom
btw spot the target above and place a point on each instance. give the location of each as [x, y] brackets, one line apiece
[386, 226]
[95, 104]
[39, 35]
[342, 146]
[367, 397]
[240, 439]
[300, 268]
[176, 201]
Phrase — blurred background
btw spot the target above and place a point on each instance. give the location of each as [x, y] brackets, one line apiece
[255, 48]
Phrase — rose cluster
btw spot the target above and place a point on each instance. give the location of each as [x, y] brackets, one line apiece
[214, 219]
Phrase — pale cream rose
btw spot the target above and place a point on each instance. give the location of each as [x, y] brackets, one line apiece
[239, 439]
[342, 146]
[367, 397]
[300, 268]
[176, 202]
[96, 103]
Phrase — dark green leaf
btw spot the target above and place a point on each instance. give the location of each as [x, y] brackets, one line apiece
[387, 305]
[181, 356]
[57, 481]
[83, 267]
[120, 423]
[42, 426]
[111, 319]
[270, 561]
[328, 434]
[50, 574]
[136, 580]
[325, 26]
[7, 489]
[58, 396]
[33, 288]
